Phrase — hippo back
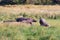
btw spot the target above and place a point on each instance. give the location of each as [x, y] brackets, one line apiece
[20, 19]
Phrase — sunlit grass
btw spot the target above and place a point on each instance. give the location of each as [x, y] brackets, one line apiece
[24, 31]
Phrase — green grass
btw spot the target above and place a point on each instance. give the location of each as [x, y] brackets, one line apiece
[23, 31]
[34, 32]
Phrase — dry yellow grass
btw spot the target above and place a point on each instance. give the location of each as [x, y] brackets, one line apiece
[16, 9]
[24, 31]
[29, 9]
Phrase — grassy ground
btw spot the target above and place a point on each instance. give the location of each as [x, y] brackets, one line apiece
[20, 31]
[24, 31]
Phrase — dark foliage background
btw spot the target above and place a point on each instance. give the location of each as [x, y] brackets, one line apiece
[36, 2]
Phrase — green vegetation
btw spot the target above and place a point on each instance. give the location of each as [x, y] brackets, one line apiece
[35, 32]
[4, 16]
[36, 2]
[16, 31]
[24, 31]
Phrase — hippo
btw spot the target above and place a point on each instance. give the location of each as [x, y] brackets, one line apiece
[43, 22]
[27, 20]
[30, 20]
[20, 19]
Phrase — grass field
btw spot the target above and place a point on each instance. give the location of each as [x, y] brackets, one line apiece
[24, 31]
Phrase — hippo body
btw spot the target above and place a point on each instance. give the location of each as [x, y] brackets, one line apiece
[20, 19]
[27, 20]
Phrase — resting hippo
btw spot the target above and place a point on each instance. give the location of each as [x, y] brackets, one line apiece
[20, 19]
[28, 20]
